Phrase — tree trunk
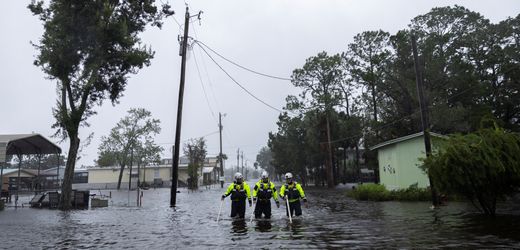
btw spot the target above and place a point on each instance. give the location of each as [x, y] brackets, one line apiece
[66, 188]
[328, 162]
[120, 176]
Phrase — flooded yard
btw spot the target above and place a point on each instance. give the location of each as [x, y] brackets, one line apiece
[331, 221]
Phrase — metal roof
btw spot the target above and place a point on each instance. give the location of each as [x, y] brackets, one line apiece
[14, 170]
[405, 138]
[26, 144]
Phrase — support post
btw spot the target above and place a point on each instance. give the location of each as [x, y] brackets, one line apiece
[18, 180]
[221, 158]
[175, 163]
[424, 115]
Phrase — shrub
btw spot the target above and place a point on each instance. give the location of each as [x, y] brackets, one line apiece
[483, 166]
[371, 192]
[376, 192]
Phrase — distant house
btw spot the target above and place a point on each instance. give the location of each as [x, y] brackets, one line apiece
[160, 175]
[10, 179]
[399, 160]
[210, 171]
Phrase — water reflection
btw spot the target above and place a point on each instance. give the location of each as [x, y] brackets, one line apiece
[263, 225]
[238, 226]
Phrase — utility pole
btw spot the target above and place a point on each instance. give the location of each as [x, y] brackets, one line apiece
[242, 162]
[175, 163]
[238, 160]
[424, 115]
[221, 158]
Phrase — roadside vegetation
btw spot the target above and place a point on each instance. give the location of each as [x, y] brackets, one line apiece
[367, 94]
[377, 192]
[484, 167]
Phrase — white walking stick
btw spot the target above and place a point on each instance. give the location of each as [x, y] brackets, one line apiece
[288, 210]
[220, 210]
[252, 211]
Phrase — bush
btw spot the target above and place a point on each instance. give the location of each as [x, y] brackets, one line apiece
[376, 192]
[483, 166]
[370, 192]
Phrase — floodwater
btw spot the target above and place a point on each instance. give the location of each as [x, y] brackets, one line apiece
[332, 221]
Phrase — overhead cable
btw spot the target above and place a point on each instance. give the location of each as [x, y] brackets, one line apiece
[242, 67]
[237, 83]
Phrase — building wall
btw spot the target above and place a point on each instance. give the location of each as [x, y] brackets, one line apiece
[5, 178]
[111, 175]
[387, 166]
[399, 164]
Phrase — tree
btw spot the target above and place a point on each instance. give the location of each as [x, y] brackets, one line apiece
[320, 80]
[131, 137]
[45, 161]
[89, 48]
[147, 153]
[483, 166]
[196, 151]
[264, 159]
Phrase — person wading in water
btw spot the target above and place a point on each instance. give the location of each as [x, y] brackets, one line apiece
[239, 191]
[263, 191]
[294, 192]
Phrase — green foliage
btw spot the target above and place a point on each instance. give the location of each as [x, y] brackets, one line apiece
[88, 49]
[264, 158]
[196, 151]
[131, 141]
[368, 93]
[370, 192]
[377, 192]
[482, 166]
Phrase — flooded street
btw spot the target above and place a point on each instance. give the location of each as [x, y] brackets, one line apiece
[331, 221]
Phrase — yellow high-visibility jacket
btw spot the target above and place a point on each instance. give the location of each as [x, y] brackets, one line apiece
[294, 191]
[238, 192]
[265, 191]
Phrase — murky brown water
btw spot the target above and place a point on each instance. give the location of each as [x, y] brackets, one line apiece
[331, 221]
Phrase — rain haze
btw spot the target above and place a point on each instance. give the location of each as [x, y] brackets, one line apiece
[270, 36]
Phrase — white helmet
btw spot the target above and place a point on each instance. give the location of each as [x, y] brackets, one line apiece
[265, 175]
[288, 176]
[238, 176]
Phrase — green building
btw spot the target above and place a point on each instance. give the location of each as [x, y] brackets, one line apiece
[399, 160]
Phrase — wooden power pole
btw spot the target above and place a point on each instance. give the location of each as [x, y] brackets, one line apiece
[175, 163]
[424, 115]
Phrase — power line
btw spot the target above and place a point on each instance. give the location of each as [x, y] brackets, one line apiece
[242, 67]
[202, 84]
[236, 82]
[207, 73]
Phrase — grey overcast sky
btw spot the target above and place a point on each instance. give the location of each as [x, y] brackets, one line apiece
[270, 36]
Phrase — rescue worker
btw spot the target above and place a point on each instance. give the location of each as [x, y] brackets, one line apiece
[293, 191]
[263, 191]
[239, 191]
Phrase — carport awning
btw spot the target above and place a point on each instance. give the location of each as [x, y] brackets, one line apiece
[26, 144]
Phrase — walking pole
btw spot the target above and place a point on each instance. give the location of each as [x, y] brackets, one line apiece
[288, 210]
[252, 211]
[220, 210]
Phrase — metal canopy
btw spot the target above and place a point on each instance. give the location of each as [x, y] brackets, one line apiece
[26, 144]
